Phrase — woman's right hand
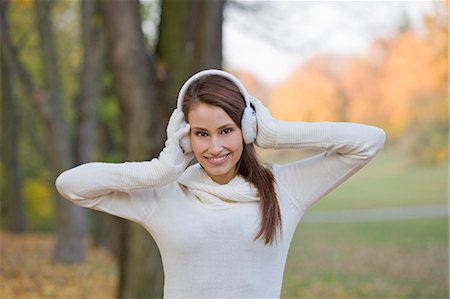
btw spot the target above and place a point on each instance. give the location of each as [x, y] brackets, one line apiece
[173, 154]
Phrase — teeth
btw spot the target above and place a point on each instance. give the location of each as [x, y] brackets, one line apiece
[218, 158]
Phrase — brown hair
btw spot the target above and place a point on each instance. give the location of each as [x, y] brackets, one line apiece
[219, 91]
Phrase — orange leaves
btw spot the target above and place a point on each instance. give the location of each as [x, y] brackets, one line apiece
[24, 3]
[404, 76]
[311, 94]
[399, 84]
[28, 272]
[387, 86]
[359, 82]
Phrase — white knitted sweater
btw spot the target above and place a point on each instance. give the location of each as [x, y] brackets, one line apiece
[204, 230]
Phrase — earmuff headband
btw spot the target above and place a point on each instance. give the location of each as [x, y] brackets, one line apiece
[207, 73]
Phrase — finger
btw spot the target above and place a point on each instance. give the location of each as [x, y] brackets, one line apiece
[176, 121]
[184, 131]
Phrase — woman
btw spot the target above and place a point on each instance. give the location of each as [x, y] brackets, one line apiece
[224, 225]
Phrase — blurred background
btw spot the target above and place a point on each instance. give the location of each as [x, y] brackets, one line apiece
[95, 80]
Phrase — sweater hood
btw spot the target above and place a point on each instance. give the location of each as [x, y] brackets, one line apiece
[216, 196]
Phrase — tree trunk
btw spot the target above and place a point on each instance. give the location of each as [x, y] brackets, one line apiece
[94, 47]
[140, 266]
[131, 69]
[190, 40]
[70, 219]
[13, 211]
[89, 89]
[86, 140]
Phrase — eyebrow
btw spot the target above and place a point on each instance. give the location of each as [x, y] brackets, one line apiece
[218, 129]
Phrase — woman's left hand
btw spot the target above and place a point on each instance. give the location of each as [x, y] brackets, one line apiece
[267, 125]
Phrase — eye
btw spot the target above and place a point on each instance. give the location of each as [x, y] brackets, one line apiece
[227, 131]
[201, 134]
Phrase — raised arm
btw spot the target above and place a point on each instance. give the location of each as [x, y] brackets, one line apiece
[346, 148]
[117, 188]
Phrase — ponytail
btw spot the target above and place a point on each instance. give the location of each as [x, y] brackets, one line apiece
[250, 168]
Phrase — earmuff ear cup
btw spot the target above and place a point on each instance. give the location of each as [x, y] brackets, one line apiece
[249, 125]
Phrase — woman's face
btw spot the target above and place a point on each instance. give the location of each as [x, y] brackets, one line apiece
[216, 141]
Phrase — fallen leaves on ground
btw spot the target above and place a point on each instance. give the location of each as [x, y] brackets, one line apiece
[27, 270]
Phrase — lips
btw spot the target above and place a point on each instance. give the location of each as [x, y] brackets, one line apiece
[218, 160]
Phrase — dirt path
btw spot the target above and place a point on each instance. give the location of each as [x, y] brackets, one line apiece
[378, 214]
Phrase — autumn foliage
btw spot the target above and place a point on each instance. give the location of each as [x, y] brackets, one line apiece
[27, 270]
[400, 84]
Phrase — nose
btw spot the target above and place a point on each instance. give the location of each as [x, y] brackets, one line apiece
[215, 146]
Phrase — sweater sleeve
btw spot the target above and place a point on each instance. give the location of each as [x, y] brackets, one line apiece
[346, 148]
[121, 189]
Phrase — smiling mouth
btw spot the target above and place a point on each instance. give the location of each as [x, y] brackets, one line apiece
[217, 160]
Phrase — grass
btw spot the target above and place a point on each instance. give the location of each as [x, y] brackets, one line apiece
[390, 180]
[392, 259]
[382, 260]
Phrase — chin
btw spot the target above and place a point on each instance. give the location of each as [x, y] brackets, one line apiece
[218, 172]
[222, 170]
[221, 174]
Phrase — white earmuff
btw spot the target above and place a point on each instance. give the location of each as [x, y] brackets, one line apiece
[185, 143]
[248, 125]
[248, 121]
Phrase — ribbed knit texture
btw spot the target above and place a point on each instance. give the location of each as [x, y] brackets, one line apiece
[215, 196]
[269, 139]
[205, 231]
[266, 125]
